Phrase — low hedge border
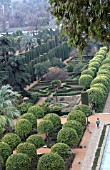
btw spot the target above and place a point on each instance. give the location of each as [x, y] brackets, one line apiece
[68, 94]
[97, 154]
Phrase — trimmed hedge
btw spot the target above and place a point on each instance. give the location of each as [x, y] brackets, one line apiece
[35, 139]
[54, 118]
[78, 116]
[84, 108]
[5, 151]
[27, 148]
[51, 161]
[61, 149]
[31, 118]
[37, 111]
[85, 80]
[46, 126]
[74, 125]
[12, 140]
[97, 97]
[23, 128]
[68, 136]
[18, 161]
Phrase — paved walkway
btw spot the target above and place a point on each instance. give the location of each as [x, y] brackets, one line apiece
[107, 105]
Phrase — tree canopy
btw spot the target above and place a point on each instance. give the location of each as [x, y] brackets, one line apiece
[80, 20]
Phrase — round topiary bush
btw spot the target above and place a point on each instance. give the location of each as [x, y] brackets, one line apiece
[74, 125]
[85, 80]
[101, 86]
[37, 111]
[84, 108]
[23, 127]
[46, 126]
[23, 107]
[104, 72]
[27, 148]
[37, 140]
[61, 149]
[18, 161]
[12, 140]
[88, 71]
[95, 64]
[54, 118]
[101, 79]
[105, 67]
[97, 97]
[77, 115]
[51, 161]
[68, 136]
[5, 151]
[31, 118]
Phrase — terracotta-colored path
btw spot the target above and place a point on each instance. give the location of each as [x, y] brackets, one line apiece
[81, 154]
[89, 136]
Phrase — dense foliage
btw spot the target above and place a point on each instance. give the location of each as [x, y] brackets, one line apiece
[54, 118]
[23, 127]
[37, 111]
[31, 118]
[68, 136]
[26, 148]
[74, 125]
[35, 139]
[61, 149]
[82, 19]
[18, 161]
[77, 115]
[12, 140]
[51, 161]
[5, 151]
[45, 126]
[84, 108]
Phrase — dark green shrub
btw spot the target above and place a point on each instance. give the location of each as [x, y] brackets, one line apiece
[23, 127]
[5, 151]
[31, 118]
[23, 107]
[1, 163]
[85, 80]
[61, 149]
[27, 148]
[55, 109]
[46, 126]
[54, 118]
[70, 67]
[84, 108]
[12, 140]
[97, 97]
[35, 139]
[68, 136]
[37, 111]
[1, 132]
[51, 161]
[77, 115]
[18, 161]
[84, 98]
[45, 107]
[74, 125]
